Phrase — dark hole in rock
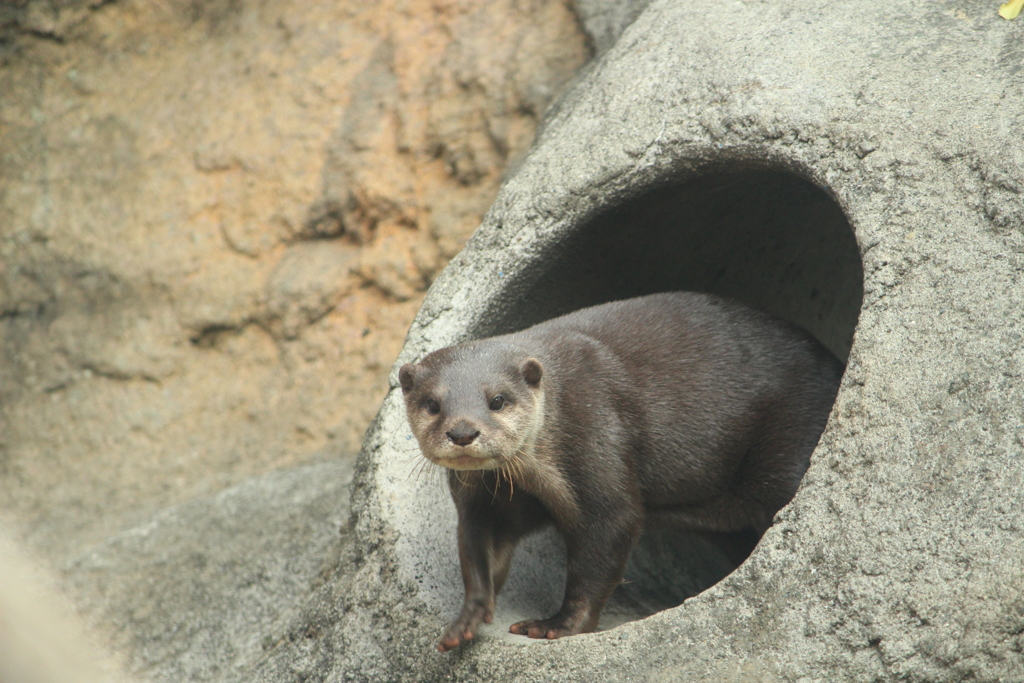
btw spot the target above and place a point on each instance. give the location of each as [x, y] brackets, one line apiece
[765, 237]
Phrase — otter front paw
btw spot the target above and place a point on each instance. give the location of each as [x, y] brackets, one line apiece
[465, 627]
[555, 627]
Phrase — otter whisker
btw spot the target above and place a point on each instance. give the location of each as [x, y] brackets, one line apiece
[412, 466]
[431, 470]
[516, 464]
[497, 484]
[417, 468]
[511, 483]
[515, 467]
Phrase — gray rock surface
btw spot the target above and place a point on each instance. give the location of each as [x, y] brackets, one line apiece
[900, 557]
[205, 588]
[857, 172]
[605, 21]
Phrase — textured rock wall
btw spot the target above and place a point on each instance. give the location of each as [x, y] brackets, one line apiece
[899, 557]
[217, 220]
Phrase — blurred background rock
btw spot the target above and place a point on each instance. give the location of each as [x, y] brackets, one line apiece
[217, 220]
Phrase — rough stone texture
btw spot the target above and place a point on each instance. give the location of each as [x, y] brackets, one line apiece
[201, 590]
[900, 557]
[605, 21]
[217, 220]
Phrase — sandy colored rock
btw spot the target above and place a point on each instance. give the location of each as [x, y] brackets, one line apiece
[217, 221]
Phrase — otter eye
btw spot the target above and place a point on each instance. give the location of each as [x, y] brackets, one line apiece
[433, 407]
[497, 402]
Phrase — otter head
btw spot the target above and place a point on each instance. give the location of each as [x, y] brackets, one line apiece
[475, 406]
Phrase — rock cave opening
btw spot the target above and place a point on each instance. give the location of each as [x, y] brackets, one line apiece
[766, 237]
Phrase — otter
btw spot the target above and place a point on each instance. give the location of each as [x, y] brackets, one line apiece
[679, 408]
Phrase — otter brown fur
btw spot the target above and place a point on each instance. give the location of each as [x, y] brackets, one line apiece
[678, 408]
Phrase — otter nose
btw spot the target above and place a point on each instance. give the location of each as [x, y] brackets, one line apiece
[462, 435]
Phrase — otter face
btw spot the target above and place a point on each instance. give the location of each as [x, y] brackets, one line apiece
[473, 407]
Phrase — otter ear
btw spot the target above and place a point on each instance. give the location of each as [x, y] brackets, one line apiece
[532, 371]
[407, 377]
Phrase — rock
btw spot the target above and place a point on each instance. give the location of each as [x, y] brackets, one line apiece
[856, 173]
[605, 21]
[205, 589]
[218, 220]
[307, 283]
[853, 172]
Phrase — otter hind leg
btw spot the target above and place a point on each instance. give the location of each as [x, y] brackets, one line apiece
[597, 554]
